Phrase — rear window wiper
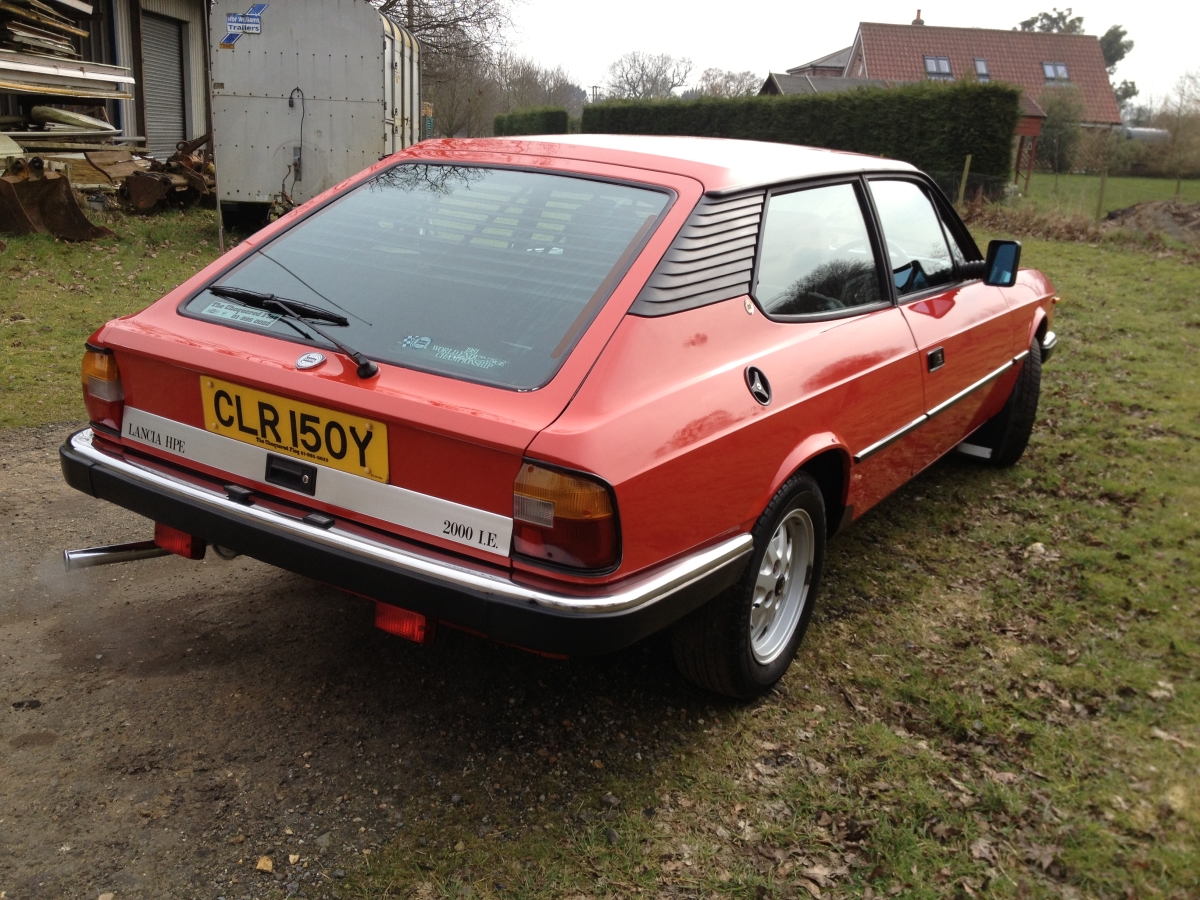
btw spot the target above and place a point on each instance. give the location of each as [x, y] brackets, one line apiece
[302, 312]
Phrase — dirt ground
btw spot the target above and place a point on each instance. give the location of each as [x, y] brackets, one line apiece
[166, 723]
[1177, 218]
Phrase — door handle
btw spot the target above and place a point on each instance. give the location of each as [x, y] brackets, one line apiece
[936, 359]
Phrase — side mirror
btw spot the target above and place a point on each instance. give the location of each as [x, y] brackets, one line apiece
[1003, 258]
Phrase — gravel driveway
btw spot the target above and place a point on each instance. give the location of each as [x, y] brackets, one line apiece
[166, 723]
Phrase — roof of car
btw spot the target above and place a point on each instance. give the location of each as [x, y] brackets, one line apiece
[720, 164]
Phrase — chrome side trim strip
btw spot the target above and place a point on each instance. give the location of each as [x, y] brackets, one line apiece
[627, 595]
[477, 528]
[890, 439]
[968, 391]
[870, 451]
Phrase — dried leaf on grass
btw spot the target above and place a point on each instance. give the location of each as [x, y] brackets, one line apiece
[983, 849]
[1171, 738]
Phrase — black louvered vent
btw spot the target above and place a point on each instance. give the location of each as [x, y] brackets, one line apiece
[711, 259]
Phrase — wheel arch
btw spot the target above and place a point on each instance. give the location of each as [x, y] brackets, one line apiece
[827, 460]
[1038, 327]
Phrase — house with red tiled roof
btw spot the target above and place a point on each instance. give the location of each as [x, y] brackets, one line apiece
[1034, 60]
[1037, 62]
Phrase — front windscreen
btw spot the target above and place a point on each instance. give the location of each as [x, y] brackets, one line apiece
[484, 274]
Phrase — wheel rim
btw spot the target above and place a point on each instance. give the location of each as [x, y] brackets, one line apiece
[781, 588]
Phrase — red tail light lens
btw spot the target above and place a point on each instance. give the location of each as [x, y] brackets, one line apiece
[400, 622]
[102, 392]
[178, 542]
[564, 518]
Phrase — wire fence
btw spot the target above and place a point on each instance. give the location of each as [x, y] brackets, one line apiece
[977, 187]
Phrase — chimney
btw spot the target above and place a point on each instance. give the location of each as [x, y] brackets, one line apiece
[918, 20]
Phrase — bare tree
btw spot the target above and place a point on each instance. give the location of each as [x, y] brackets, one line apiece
[724, 83]
[465, 94]
[525, 84]
[445, 26]
[647, 76]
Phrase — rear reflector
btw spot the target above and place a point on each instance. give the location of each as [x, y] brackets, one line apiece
[564, 518]
[178, 542]
[400, 622]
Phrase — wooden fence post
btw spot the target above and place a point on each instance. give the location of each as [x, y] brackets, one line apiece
[1100, 200]
[962, 185]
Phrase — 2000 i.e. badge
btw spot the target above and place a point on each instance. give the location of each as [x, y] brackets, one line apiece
[310, 360]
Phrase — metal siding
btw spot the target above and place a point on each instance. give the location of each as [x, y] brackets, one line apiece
[162, 59]
[130, 127]
[334, 51]
[192, 13]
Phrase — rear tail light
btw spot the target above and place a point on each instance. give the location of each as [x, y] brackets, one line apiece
[401, 622]
[564, 518]
[102, 392]
[178, 542]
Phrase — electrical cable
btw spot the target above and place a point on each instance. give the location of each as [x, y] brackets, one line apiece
[291, 103]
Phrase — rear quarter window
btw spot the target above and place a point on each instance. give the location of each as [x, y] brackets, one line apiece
[485, 274]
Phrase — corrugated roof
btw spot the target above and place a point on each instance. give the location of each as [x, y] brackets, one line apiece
[897, 53]
[833, 60]
[816, 84]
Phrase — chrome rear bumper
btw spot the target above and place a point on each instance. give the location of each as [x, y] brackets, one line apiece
[388, 569]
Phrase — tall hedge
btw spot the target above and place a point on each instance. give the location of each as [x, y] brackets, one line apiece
[539, 120]
[931, 125]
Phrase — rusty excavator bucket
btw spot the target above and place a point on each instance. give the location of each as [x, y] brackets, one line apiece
[33, 200]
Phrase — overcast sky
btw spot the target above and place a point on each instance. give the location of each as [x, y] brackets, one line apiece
[772, 35]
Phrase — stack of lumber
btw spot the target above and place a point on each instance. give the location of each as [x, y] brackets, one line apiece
[44, 28]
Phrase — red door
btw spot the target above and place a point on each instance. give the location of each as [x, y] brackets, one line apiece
[964, 336]
[962, 329]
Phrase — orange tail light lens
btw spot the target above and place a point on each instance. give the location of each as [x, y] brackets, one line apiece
[102, 392]
[565, 519]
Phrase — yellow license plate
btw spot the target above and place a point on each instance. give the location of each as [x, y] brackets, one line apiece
[325, 436]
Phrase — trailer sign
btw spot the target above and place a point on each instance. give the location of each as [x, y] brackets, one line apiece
[237, 24]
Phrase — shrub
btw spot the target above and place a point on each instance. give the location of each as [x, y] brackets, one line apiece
[539, 120]
[933, 126]
[1061, 131]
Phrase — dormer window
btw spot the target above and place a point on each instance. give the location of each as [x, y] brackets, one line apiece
[981, 70]
[938, 67]
[1055, 72]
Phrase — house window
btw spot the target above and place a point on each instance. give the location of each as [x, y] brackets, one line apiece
[981, 70]
[1055, 72]
[938, 67]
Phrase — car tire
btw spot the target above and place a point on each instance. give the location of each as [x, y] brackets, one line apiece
[1007, 433]
[741, 642]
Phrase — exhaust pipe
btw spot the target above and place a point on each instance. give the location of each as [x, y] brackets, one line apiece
[113, 553]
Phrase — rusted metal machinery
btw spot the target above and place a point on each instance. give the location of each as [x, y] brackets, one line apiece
[33, 199]
[182, 180]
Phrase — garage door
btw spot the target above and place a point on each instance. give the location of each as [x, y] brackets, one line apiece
[162, 43]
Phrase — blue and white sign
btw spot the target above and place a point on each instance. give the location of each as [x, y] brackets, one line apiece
[237, 24]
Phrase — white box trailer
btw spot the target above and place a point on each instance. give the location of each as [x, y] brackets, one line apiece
[306, 93]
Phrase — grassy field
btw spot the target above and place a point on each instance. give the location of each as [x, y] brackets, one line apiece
[1076, 195]
[54, 295]
[998, 695]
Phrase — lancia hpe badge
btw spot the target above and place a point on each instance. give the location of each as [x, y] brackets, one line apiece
[310, 360]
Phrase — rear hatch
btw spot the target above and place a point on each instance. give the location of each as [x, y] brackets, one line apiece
[483, 293]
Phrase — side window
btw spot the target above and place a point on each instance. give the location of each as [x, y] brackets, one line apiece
[816, 255]
[915, 241]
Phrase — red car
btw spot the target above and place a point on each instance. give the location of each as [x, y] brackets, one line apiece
[565, 392]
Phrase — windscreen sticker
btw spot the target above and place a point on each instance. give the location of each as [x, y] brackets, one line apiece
[468, 356]
[243, 314]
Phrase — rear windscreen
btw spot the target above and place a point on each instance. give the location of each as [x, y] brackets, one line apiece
[485, 274]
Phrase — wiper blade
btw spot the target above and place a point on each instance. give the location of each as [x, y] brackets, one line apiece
[302, 312]
[271, 302]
